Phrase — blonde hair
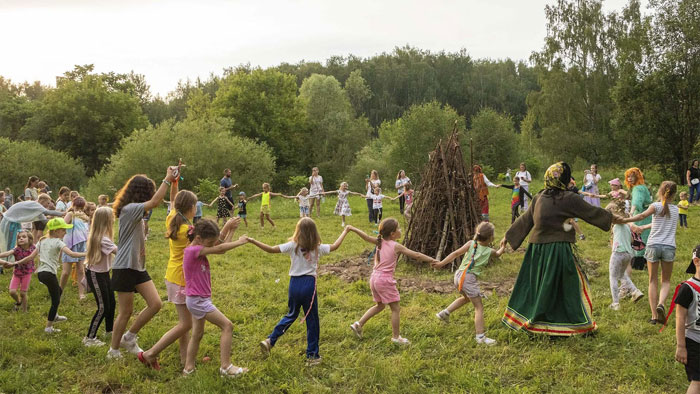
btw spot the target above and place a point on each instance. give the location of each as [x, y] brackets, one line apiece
[667, 191]
[683, 194]
[102, 226]
[617, 207]
[306, 236]
[264, 185]
[344, 183]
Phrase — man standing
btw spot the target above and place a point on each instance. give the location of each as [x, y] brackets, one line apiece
[228, 185]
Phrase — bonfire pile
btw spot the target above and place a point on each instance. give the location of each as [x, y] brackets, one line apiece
[444, 213]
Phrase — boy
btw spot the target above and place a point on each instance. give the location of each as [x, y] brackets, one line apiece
[242, 212]
[683, 210]
[688, 324]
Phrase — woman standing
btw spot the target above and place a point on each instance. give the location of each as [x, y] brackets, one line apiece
[693, 178]
[525, 179]
[481, 186]
[551, 293]
[401, 181]
[30, 192]
[590, 184]
[370, 183]
[315, 191]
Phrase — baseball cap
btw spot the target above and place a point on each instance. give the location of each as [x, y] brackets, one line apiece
[241, 194]
[57, 223]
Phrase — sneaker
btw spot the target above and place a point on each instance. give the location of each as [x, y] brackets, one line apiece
[90, 342]
[401, 341]
[51, 330]
[484, 340]
[582, 237]
[661, 314]
[637, 295]
[615, 306]
[357, 329]
[311, 361]
[114, 354]
[265, 347]
[131, 346]
[623, 293]
[59, 318]
[231, 371]
[443, 315]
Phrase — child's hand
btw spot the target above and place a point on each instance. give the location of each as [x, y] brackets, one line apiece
[436, 264]
[233, 223]
[503, 243]
[172, 173]
[681, 355]
[234, 186]
[243, 238]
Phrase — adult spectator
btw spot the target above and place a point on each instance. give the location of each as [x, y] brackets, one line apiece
[525, 178]
[401, 181]
[24, 212]
[370, 183]
[693, 178]
[30, 192]
[315, 190]
[9, 198]
[228, 185]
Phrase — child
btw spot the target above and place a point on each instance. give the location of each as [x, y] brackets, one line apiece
[408, 195]
[621, 257]
[242, 210]
[222, 207]
[22, 274]
[198, 213]
[508, 176]
[90, 208]
[100, 251]
[687, 328]
[377, 206]
[305, 249]
[198, 294]
[616, 191]
[75, 240]
[103, 201]
[382, 281]
[342, 207]
[49, 250]
[517, 199]
[303, 200]
[683, 210]
[465, 279]
[64, 202]
[265, 197]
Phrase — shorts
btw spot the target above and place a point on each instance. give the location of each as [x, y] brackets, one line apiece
[20, 282]
[383, 288]
[656, 253]
[303, 210]
[176, 293]
[125, 280]
[242, 215]
[692, 367]
[470, 287]
[265, 209]
[200, 306]
[79, 248]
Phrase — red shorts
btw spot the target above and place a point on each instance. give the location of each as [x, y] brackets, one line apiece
[383, 288]
[20, 282]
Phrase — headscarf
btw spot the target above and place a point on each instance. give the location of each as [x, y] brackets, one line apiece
[638, 173]
[479, 183]
[557, 176]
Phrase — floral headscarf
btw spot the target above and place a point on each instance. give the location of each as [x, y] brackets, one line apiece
[479, 183]
[637, 173]
[557, 176]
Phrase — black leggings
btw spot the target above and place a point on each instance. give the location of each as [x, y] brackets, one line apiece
[370, 203]
[51, 282]
[377, 215]
[402, 203]
[101, 287]
[514, 213]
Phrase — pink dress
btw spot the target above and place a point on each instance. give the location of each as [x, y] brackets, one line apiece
[382, 282]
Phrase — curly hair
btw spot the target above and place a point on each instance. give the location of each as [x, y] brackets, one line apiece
[637, 174]
[139, 188]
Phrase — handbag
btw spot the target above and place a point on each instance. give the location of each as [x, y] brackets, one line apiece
[637, 242]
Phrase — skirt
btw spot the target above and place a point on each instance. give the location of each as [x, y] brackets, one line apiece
[342, 208]
[551, 295]
[593, 200]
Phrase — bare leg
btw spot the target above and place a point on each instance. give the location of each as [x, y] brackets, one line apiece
[153, 304]
[126, 308]
[478, 315]
[65, 274]
[395, 318]
[193, 347]
[318, 207]
[458, 303]
[262, 219]
[343, 219]
[80, 274]
[694, 387]
[226, 326]
[371, 312]
[13, 294]
[666, 271]
[180, 331]
[24, 300]
[270, 220]
[653, 287]
[245, 220]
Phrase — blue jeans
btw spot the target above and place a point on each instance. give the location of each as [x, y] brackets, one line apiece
[683, 219]
[694, 191]
[301, 290]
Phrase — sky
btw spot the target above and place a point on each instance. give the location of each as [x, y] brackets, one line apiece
[173, 40]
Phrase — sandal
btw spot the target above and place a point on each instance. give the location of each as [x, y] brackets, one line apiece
[237, 371]
[401, 341]
[153, 364]
[652, 321]
[661, 314]
[188, 373]
[17, 305]
[357, 329]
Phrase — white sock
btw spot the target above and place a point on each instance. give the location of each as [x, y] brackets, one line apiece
[129, 336]
[445, 311]
[113, 351]
[480, 336]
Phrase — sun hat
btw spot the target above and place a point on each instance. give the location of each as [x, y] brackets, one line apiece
[615, 181]
[57, 223]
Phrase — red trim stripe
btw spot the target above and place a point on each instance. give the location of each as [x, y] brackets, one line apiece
[530, 328]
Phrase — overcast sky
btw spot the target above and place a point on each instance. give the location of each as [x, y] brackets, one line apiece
[172, 40]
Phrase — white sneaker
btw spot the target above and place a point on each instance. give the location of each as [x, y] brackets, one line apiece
[484, 340]
[615, 306]
[131, 346]
[51, 330]
[357, 329]
[401, 341]
[114, 354]
[637, 295]
[59, 318]
[90, 342]
[443, 315]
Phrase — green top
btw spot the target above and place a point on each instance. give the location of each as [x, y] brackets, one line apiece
[481, 256]
[641, 199]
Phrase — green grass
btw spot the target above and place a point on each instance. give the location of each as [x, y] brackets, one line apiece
[626, 355]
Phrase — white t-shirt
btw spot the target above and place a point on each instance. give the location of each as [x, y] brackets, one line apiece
[105, 264]
[62, 206]
[401, 183]
[377, 200]
[300, 265]
[370, 187]
[49, 253]
[316, 183]
[590, 180]
[663, 228]
[303, 200]
[525, 177]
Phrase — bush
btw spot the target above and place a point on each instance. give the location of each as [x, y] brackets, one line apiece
[207, 189]
[371, 157]
[296, 182]
[20, 160]
[495, 141]
[205, 146]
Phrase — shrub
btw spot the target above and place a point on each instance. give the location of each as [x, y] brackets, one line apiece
[207, 189]
[296, 182]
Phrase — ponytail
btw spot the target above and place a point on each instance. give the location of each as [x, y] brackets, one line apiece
[667, 192]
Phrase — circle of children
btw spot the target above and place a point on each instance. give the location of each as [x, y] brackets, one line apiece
[558, 305]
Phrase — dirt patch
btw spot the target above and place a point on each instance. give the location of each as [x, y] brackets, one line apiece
[356, 268]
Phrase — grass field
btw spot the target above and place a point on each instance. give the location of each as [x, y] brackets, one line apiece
[626, 355]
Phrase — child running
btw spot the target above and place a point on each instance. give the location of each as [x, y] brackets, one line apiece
[382, 282]
[621, 256]
[75, 239]
[222, 207]
[206, 240]
[305, 249]
[100, 251]
[683, 205]
[265, 210]
[242, 208]
[465, 279]
[342, 207]
[687, 328]
[22, 274]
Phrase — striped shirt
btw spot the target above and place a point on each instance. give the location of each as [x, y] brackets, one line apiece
[663, 228]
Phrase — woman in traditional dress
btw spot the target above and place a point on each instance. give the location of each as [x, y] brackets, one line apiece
[481, 186]
[551, 294]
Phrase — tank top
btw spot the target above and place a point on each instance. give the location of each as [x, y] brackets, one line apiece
[385, 262]
[265, 199]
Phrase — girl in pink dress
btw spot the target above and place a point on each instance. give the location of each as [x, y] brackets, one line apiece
[382, 282]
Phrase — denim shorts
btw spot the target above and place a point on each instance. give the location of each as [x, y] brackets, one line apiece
[303, 210]
[656, 253]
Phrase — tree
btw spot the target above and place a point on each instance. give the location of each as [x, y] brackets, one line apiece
[494, 139]
[358, 91]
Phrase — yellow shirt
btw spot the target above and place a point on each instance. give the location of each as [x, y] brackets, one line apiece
[265, 199]
[683, 207]
[174, 273]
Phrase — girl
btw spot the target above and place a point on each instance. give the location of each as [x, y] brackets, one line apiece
[525, 179]
[401, 181]
[590, 185]
[303, 200]
[377, 206]
[100, 251]
[382, 282]
[342, 207]
[63, 203]
[222, 207]
[517, 198]
[621, 256]
[305, 250]
[198, 294]
[129, 275]
[481, 186]
[265, 204]
[75, 239]
[661, 247]
[22, 274]
[371, 182]
[315, 190]
[103, 200]
[49, 250]
[30, 192]
[408, 196]
[616, 191]
[465, 278]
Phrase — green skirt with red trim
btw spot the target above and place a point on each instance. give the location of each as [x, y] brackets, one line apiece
[551, 295]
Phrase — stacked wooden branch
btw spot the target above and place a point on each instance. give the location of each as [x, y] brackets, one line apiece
[444, 213]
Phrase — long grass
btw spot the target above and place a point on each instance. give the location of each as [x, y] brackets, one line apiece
[250, 287]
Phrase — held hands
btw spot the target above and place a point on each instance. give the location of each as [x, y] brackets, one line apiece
[438, 264]
[232, 224]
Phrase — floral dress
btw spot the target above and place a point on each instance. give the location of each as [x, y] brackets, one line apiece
[222, 210]
[342, 207]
